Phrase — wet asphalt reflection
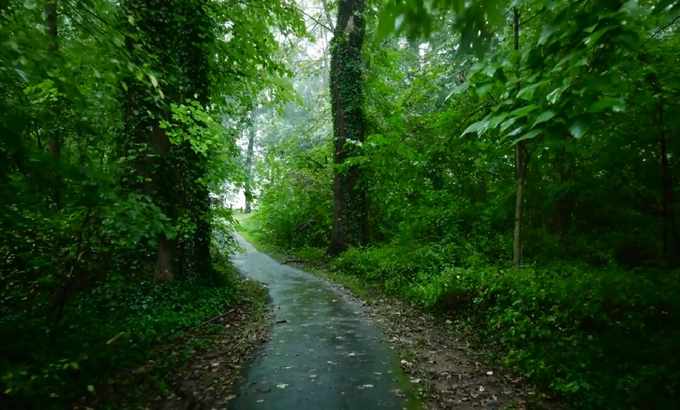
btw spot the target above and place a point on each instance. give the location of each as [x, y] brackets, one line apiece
[323, 353]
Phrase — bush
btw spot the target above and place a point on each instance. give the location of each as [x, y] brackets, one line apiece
[603, 338]
[113, 327]
[600, 337]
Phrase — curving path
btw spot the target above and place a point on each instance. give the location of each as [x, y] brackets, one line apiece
[323, 352]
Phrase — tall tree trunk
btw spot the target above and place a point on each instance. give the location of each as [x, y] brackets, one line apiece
[248, 188]
[151, 173]
[166, 253]
[196, 34]
[165, 264]
[520, 174]
[54, 139]
[669, 232]
[564, 204]
[350, 221]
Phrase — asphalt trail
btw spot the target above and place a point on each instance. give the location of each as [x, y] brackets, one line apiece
[323, 354]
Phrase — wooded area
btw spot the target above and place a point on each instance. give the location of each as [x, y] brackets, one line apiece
[118, 125]
[509, 164]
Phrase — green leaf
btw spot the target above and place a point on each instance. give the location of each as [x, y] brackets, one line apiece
[554, 95]
[483, 89]
[516, 131]
[508, 123]
[592, 39]
[459, 89]
[527, 93]
[479, 127]
[606, 103]
[545, 116]
[546, 33]
[154, 81]
[523, 111]
[490, 70]
[578, 129]
[529, 135]
[497, 119]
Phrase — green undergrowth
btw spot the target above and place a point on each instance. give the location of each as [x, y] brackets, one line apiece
[103, 335]
[600, 338]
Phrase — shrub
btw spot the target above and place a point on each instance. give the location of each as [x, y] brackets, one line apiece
[114, 327]
[604, 338]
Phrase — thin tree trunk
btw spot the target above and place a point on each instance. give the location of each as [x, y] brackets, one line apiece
[165, 266]
[521, 167]
[564, 205]
[669, 232]
[350, 221]
[520, 174]
[54, 142]
[248, 189]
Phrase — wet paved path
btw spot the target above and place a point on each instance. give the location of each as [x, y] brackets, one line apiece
[323, 353]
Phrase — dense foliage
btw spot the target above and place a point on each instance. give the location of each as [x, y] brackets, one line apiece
[574, 104]
[118, 124]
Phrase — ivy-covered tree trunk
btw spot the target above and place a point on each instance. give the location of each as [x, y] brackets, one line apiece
[195, 58]
[145, 142]
[177, 34]
[350, 203]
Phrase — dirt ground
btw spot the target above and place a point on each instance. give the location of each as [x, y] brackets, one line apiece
[208, 378]
[444, 360]
[451, 372]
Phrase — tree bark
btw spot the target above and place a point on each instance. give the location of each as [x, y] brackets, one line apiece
[248, 188]
[669, 232]
[349, 204]
[54, 139]
[564, 204]
[152, 173]
[165, 266]
[167, 248]
[197, 66]
[520, 174]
